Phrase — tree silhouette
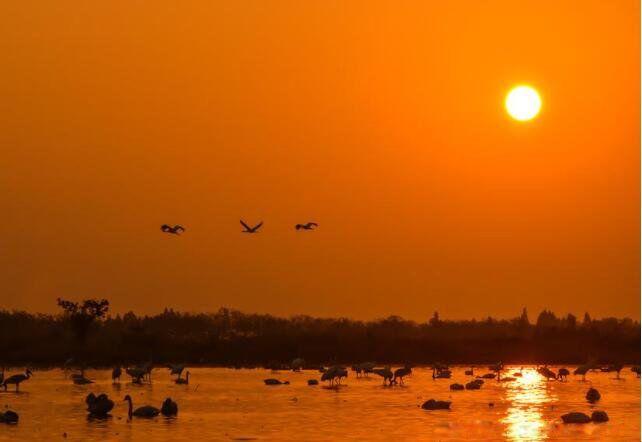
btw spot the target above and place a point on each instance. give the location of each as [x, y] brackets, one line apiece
[523, 319]
[232, 338]
[80, 316]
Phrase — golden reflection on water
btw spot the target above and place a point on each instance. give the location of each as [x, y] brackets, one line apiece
[527, 395]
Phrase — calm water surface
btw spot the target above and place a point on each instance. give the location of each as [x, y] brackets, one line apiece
[228, 404]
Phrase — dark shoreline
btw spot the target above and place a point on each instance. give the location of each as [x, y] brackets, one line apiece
[230, 338]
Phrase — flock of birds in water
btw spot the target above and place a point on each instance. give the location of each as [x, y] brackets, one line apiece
[99, 406]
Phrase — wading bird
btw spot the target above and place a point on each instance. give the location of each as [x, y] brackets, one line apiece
[82, 380]
[136, 373]
[582, 369]
[400, 373]
[176, 230]
[248, 229]
[115, 374]
[497, 368]
[306, 226]
[385, 373]
[182, 381]
[144, 411]
[547, 372]
[297, 364]
[617, 368]
[364, 368]
[334, 374]
[562, 373]
[16, 379]
[176, 369]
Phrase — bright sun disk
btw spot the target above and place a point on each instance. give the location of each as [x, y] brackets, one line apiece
[523, 103]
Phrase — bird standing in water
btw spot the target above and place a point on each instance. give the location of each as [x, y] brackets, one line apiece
[385, 373]
[16, 379]
[115, 374]
[182, 381]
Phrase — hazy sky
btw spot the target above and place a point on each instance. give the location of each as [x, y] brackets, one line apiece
[382, 121]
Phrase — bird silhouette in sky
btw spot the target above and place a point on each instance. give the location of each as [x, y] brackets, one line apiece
[249, 229]
[176, 230]
[307, 226]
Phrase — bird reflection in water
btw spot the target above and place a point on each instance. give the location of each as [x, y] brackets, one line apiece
[527, 396]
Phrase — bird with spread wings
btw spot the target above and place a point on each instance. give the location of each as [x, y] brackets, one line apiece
[176, 230]
[306, 226]
[248, 229]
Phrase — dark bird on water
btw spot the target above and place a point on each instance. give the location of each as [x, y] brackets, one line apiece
[99, 406]
[176, 230]
[306, 226]
[474, 385]
[432, 404]
[248, 229]
[169, 408]
[272, 381]
[592, 395]
[9, 417]
[144, 411]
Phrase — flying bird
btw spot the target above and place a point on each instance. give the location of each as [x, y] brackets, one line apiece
[306, 226]
[249, 229]
[176, 230]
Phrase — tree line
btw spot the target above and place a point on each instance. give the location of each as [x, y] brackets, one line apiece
[86, 332]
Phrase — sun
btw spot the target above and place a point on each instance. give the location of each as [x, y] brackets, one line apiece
[523, 103]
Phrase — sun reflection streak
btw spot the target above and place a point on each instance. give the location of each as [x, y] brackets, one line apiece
[527, 395]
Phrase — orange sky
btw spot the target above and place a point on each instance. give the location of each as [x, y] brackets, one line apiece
[382, 121]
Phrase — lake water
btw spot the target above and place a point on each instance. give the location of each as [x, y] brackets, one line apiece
[228, 404]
